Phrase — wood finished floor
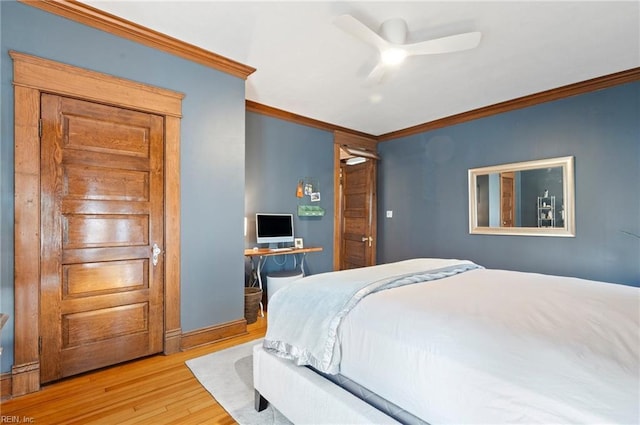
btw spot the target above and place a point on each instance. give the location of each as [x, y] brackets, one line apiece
[155, 390]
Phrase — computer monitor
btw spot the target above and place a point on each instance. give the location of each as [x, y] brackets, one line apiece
[274, 228]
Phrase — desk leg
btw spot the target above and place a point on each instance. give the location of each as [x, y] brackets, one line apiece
[259, 271]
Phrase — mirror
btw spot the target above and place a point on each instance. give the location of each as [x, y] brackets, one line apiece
[533, 198]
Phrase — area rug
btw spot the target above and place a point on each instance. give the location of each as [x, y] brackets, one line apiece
[228, 376]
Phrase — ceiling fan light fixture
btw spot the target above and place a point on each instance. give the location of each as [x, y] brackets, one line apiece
[393, 56]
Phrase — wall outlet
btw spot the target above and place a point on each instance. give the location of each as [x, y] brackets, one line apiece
[389, 214]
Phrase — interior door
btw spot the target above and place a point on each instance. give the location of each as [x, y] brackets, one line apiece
[101, 288]
[358, 236]
[507, 199]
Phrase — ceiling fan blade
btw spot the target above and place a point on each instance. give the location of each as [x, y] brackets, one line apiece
[376, 74]
[452, 43]
[359, 30]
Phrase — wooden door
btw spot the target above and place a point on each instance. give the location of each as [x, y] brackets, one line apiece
[358, 183]
[507, 199]
[101, 296]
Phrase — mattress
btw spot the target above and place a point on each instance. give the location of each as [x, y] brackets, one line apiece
[494, 346]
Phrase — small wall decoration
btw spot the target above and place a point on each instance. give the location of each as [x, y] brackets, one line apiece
[308, 192]
[310, 211]
[299, 189]
[308, 189]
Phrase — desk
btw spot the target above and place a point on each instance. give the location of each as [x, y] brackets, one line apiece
[261, 254]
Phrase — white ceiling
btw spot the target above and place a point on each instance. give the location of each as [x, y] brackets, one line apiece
[306, 65]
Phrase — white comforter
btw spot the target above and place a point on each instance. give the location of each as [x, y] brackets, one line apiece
[492, 346]
[304, 318]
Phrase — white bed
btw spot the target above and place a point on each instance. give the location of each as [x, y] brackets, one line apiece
[479, 346]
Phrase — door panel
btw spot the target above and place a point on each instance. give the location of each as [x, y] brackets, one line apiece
[92, 231]
[106, 277]
[507, 200]
[102, 210]
[85, 327]
[82, 182]
[358, 215]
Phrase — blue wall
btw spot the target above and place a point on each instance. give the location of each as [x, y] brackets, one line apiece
[279, 154]
[212, 156]
[423, 179]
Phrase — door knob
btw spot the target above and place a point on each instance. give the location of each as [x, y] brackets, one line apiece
[367, 238]
[156, 251]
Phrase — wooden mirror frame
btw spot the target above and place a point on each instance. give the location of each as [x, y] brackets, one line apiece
[568, 230]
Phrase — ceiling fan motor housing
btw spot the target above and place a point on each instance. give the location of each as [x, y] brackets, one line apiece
[394, 30]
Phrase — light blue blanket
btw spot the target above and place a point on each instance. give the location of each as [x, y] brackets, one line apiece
[304, 318]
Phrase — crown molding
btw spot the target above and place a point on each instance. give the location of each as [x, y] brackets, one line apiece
[521, 102]
[270, 111]
[90, 16]
[558, 93]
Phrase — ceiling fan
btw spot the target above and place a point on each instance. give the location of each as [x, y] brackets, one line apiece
[390, 42]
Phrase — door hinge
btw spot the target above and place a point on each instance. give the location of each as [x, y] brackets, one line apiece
[39, 345]
[40, 128]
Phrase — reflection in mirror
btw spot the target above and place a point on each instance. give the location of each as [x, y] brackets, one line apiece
[526, 198]
[531, 198]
